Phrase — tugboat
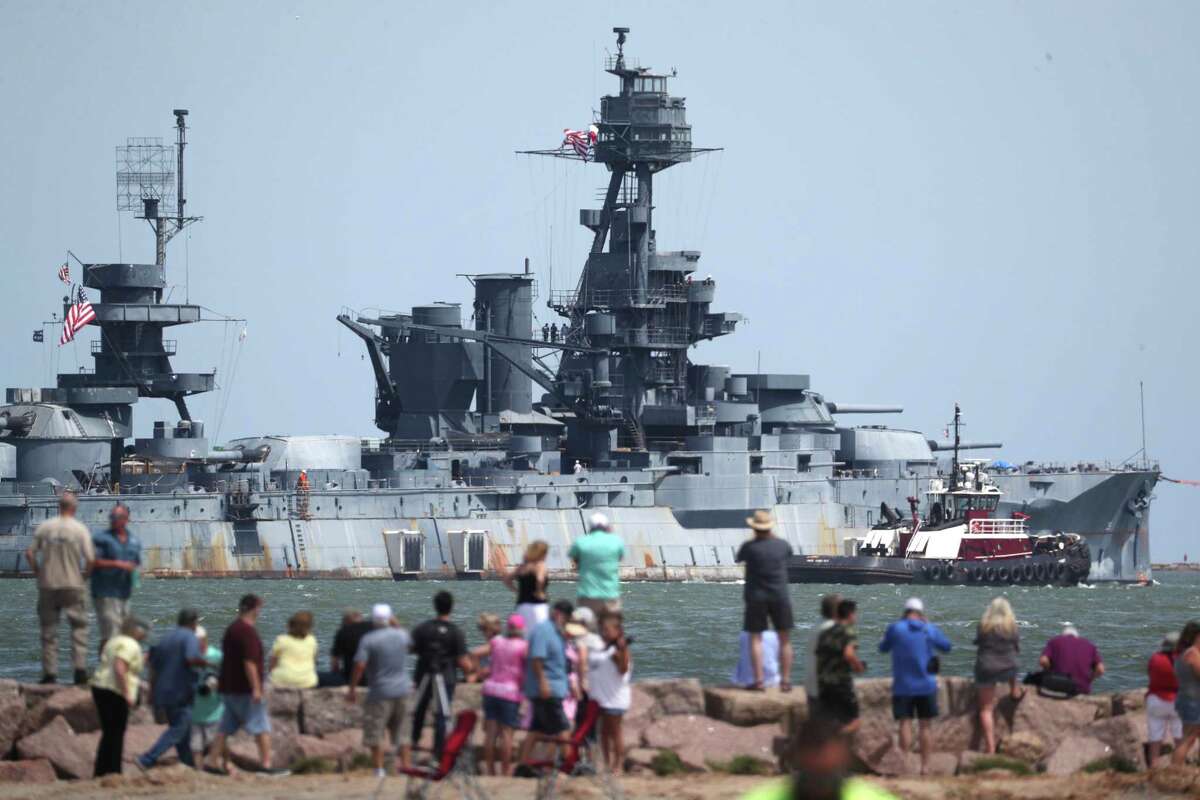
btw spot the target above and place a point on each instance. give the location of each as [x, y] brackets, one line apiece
[961, 541]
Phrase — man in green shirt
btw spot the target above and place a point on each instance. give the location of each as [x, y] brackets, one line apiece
[597, 558]
[820, 759]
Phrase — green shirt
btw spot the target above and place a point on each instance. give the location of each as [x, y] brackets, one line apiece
[599, 557]
[853, 789]
[206, 709]
[833, 670]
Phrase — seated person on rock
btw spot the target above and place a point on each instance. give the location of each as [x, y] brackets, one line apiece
[1070, 663]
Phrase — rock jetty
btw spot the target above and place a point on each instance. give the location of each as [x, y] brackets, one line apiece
[50, 733]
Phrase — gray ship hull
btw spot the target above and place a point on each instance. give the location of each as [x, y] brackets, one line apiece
[677, 528]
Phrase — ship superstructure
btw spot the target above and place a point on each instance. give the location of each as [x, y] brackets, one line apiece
[474, 462]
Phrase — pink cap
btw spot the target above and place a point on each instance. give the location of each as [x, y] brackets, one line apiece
[516, 621]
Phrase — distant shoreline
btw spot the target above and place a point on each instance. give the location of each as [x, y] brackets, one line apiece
[1177, 566]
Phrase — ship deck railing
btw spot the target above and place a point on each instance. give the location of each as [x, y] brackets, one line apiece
[998, 527]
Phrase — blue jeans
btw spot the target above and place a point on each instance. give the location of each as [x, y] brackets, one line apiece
[178, 735]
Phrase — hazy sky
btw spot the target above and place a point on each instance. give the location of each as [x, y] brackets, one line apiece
[917, 203]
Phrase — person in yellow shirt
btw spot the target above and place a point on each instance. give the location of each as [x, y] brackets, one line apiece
[294, 654]
[820, 757]
[115, 691]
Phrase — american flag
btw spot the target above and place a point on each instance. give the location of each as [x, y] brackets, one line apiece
[64, 273]
[78, 316]
[580, 141]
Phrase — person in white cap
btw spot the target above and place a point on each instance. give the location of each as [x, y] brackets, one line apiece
[383, 657]
[914, 643]
[597, 558]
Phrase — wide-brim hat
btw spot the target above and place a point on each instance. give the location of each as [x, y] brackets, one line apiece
[575, 630]
[761, 521]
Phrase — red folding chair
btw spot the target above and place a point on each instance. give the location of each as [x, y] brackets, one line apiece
[574, 758]
[456, 766]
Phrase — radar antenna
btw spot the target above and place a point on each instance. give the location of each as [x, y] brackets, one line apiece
[150, 184]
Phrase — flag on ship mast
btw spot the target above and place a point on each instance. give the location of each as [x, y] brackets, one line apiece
[78, 316]
[581, 141]
[64, 273]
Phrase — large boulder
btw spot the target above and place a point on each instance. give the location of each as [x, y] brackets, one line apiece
[700, 741]
[12, 712]
[38, 770]
[742, 707]
[1124, 735]
[138, 739]
[310, 747]
[1053, 720]
[348, 741]
[1025, 746]
[72, 703]
[326, 711]
[875, 737]
[953, 734]
[284, 704]
[677, 696]
[641, 715]
[244, 752]
[956, 696]
[1128, 701]
[874, 695]
[1074, 753]
[640, 759]
[71, 755]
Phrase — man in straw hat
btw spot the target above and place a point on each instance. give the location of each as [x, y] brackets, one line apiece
[766, 596]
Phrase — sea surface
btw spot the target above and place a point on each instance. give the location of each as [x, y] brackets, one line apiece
[680, 629]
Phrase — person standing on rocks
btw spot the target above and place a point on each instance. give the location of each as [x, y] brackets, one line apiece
[173, 685]
[529, 580]
[997, 649]
[837, 663]
[914, 643]
[207, 708]
[115, 691]
[1074, 656]
[502, 694]
[241, 686]
[766, 596]
[345, 647]
[441, 651]
[546, 679]
[118, 557]
[1187, 701]
[1162, 720]
[382, 657]
[829, 604]
[597, 558]
[611, 671]
[67, 555]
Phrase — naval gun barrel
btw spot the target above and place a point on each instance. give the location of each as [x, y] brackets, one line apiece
[860, 408]
[16, 424]
[935, 445]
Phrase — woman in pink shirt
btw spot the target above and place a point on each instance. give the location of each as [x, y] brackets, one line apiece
[502, 694]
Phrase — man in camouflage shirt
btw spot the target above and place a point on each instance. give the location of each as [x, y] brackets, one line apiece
[837, 662]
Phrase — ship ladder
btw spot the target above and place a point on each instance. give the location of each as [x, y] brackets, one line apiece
[631, 434]
[301, 550]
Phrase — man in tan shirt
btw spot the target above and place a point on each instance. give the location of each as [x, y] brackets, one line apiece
[65, 546]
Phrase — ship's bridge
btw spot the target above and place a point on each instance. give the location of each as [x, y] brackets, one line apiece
[643, 123]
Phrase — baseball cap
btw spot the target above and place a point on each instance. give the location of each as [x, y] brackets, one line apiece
[599, 522]
[516, 621]
[914, 604]
[381, 612]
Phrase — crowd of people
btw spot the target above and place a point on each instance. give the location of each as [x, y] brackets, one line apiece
[540, 665]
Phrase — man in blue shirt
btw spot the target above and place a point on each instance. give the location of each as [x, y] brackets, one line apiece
[546, 678]
[173, 686]
[912, 641]
[118, 555]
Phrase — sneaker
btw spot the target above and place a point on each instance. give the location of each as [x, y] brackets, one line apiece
[81, 677]
[48, 679]
[275, 772]
[381, 773]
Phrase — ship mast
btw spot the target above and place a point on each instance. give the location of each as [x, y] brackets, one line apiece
[957, 442]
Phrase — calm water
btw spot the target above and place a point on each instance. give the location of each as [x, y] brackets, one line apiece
[681, 629]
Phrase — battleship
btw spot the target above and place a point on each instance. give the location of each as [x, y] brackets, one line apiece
[471, 465]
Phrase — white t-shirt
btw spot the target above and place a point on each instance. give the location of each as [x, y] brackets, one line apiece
[608, 686]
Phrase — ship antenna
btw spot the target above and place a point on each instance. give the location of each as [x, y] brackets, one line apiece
[954, 464]
[181, 127]
[620, 32]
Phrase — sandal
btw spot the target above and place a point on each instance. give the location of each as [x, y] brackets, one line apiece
[785, 686]
[756, 687]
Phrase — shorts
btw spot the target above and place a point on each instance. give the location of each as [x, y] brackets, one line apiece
[548, 716]
[992, 678]
[838, 703]
[505, 712]
[1188, 709]
[241, 713]
[758, 612]
[1162, 720]
[380, 716]
[111, 613]
[924, 706]
[612, 712]
[600, 605]
[533, 613]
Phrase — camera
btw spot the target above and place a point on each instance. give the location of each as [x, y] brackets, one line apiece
[208, 686]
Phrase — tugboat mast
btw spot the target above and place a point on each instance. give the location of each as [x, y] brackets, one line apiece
[957, 442]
